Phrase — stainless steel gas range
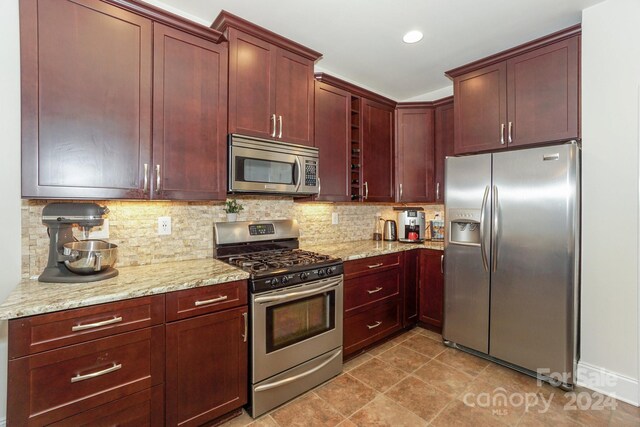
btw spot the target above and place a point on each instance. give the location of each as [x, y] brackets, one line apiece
[295, 305]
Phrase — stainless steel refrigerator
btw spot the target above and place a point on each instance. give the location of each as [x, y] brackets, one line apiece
[512, 258]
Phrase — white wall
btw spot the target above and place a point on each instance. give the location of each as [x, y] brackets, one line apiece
[610, 82]
[10, 170]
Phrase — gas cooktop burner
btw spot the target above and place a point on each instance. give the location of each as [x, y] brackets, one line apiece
[280, 259]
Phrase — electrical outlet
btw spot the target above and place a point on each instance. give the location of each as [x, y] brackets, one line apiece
[164, 225]
[334, 218]
[101, 232]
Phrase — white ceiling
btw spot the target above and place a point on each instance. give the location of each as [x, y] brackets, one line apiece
[361, 40]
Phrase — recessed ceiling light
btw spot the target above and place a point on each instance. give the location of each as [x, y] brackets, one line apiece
[412, 37]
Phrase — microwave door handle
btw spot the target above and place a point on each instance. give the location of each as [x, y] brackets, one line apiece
[299, 169]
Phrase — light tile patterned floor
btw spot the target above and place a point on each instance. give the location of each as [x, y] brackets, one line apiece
[414, 380]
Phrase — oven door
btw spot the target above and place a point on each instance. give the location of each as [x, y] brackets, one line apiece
[293, 325]
[261, 166]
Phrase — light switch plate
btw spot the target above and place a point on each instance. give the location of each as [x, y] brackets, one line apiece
[334, 218]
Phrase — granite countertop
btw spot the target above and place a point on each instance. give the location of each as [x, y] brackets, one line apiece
[367, 248]
[32, 297]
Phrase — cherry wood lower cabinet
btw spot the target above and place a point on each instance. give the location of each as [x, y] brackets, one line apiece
[142, 409]
[372, 300]
[411, 278]
[106, 364]
[431, 287]
[207, 354]
[53, 385]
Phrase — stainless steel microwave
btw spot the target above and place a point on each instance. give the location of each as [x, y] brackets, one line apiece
[264, 166]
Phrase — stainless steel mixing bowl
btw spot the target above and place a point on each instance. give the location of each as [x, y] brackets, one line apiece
[90, 256]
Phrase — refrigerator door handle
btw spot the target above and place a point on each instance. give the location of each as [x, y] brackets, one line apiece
[494, 237]
[483, 250]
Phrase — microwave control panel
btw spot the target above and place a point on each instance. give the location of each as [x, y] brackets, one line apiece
[310, 173]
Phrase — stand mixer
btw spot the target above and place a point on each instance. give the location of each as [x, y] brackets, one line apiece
[70, 260]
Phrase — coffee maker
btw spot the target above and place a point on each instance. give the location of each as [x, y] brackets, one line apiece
[411, 224]
[70, 260]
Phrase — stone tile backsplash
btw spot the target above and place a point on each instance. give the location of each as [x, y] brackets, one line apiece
[133, 226]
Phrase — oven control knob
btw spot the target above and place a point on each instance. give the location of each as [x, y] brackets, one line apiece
[304, 275]
[284, 280]
[329, 271]
[320, 272]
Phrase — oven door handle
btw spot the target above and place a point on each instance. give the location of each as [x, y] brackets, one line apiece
[297, 377]
[272, 298]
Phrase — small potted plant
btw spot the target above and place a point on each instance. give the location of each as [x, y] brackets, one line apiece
[232, 207]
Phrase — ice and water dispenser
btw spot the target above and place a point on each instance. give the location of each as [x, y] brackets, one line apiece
[464, 226]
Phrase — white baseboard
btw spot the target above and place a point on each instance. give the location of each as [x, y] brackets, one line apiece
[610, 383]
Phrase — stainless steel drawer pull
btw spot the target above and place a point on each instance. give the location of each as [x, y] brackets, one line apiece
[112, 368]
[373, 291]
[375, 325]
[77, 328]
[210, 301]
[376, 265]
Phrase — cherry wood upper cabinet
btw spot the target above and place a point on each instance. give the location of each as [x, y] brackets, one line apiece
[86, 100]
[270, 82]
[189, 116]
[481, 109]
[93, 74]
[444, 118]
[415, 153]
[526, 95]
[543, 94]
[377, 151]
[332, 122]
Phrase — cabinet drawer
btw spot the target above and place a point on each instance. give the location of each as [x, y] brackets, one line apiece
[142, 409]
[364, 290]
[371, 264]
[35, 334]
[53, 385]
[367, 327]
[193, 302]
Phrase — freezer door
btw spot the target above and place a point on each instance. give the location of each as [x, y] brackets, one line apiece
[466, 273]
[534, 263]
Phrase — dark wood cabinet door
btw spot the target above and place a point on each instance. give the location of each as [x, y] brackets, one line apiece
[415, 155]
[332, 122]
[431, 287]
[294, 98]
[189, 117]
[86, 100]
[377, 152]
[543, 94]
[481, 109]
[411, 278]
[206, 367]
[251, 85]
[443, 146]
